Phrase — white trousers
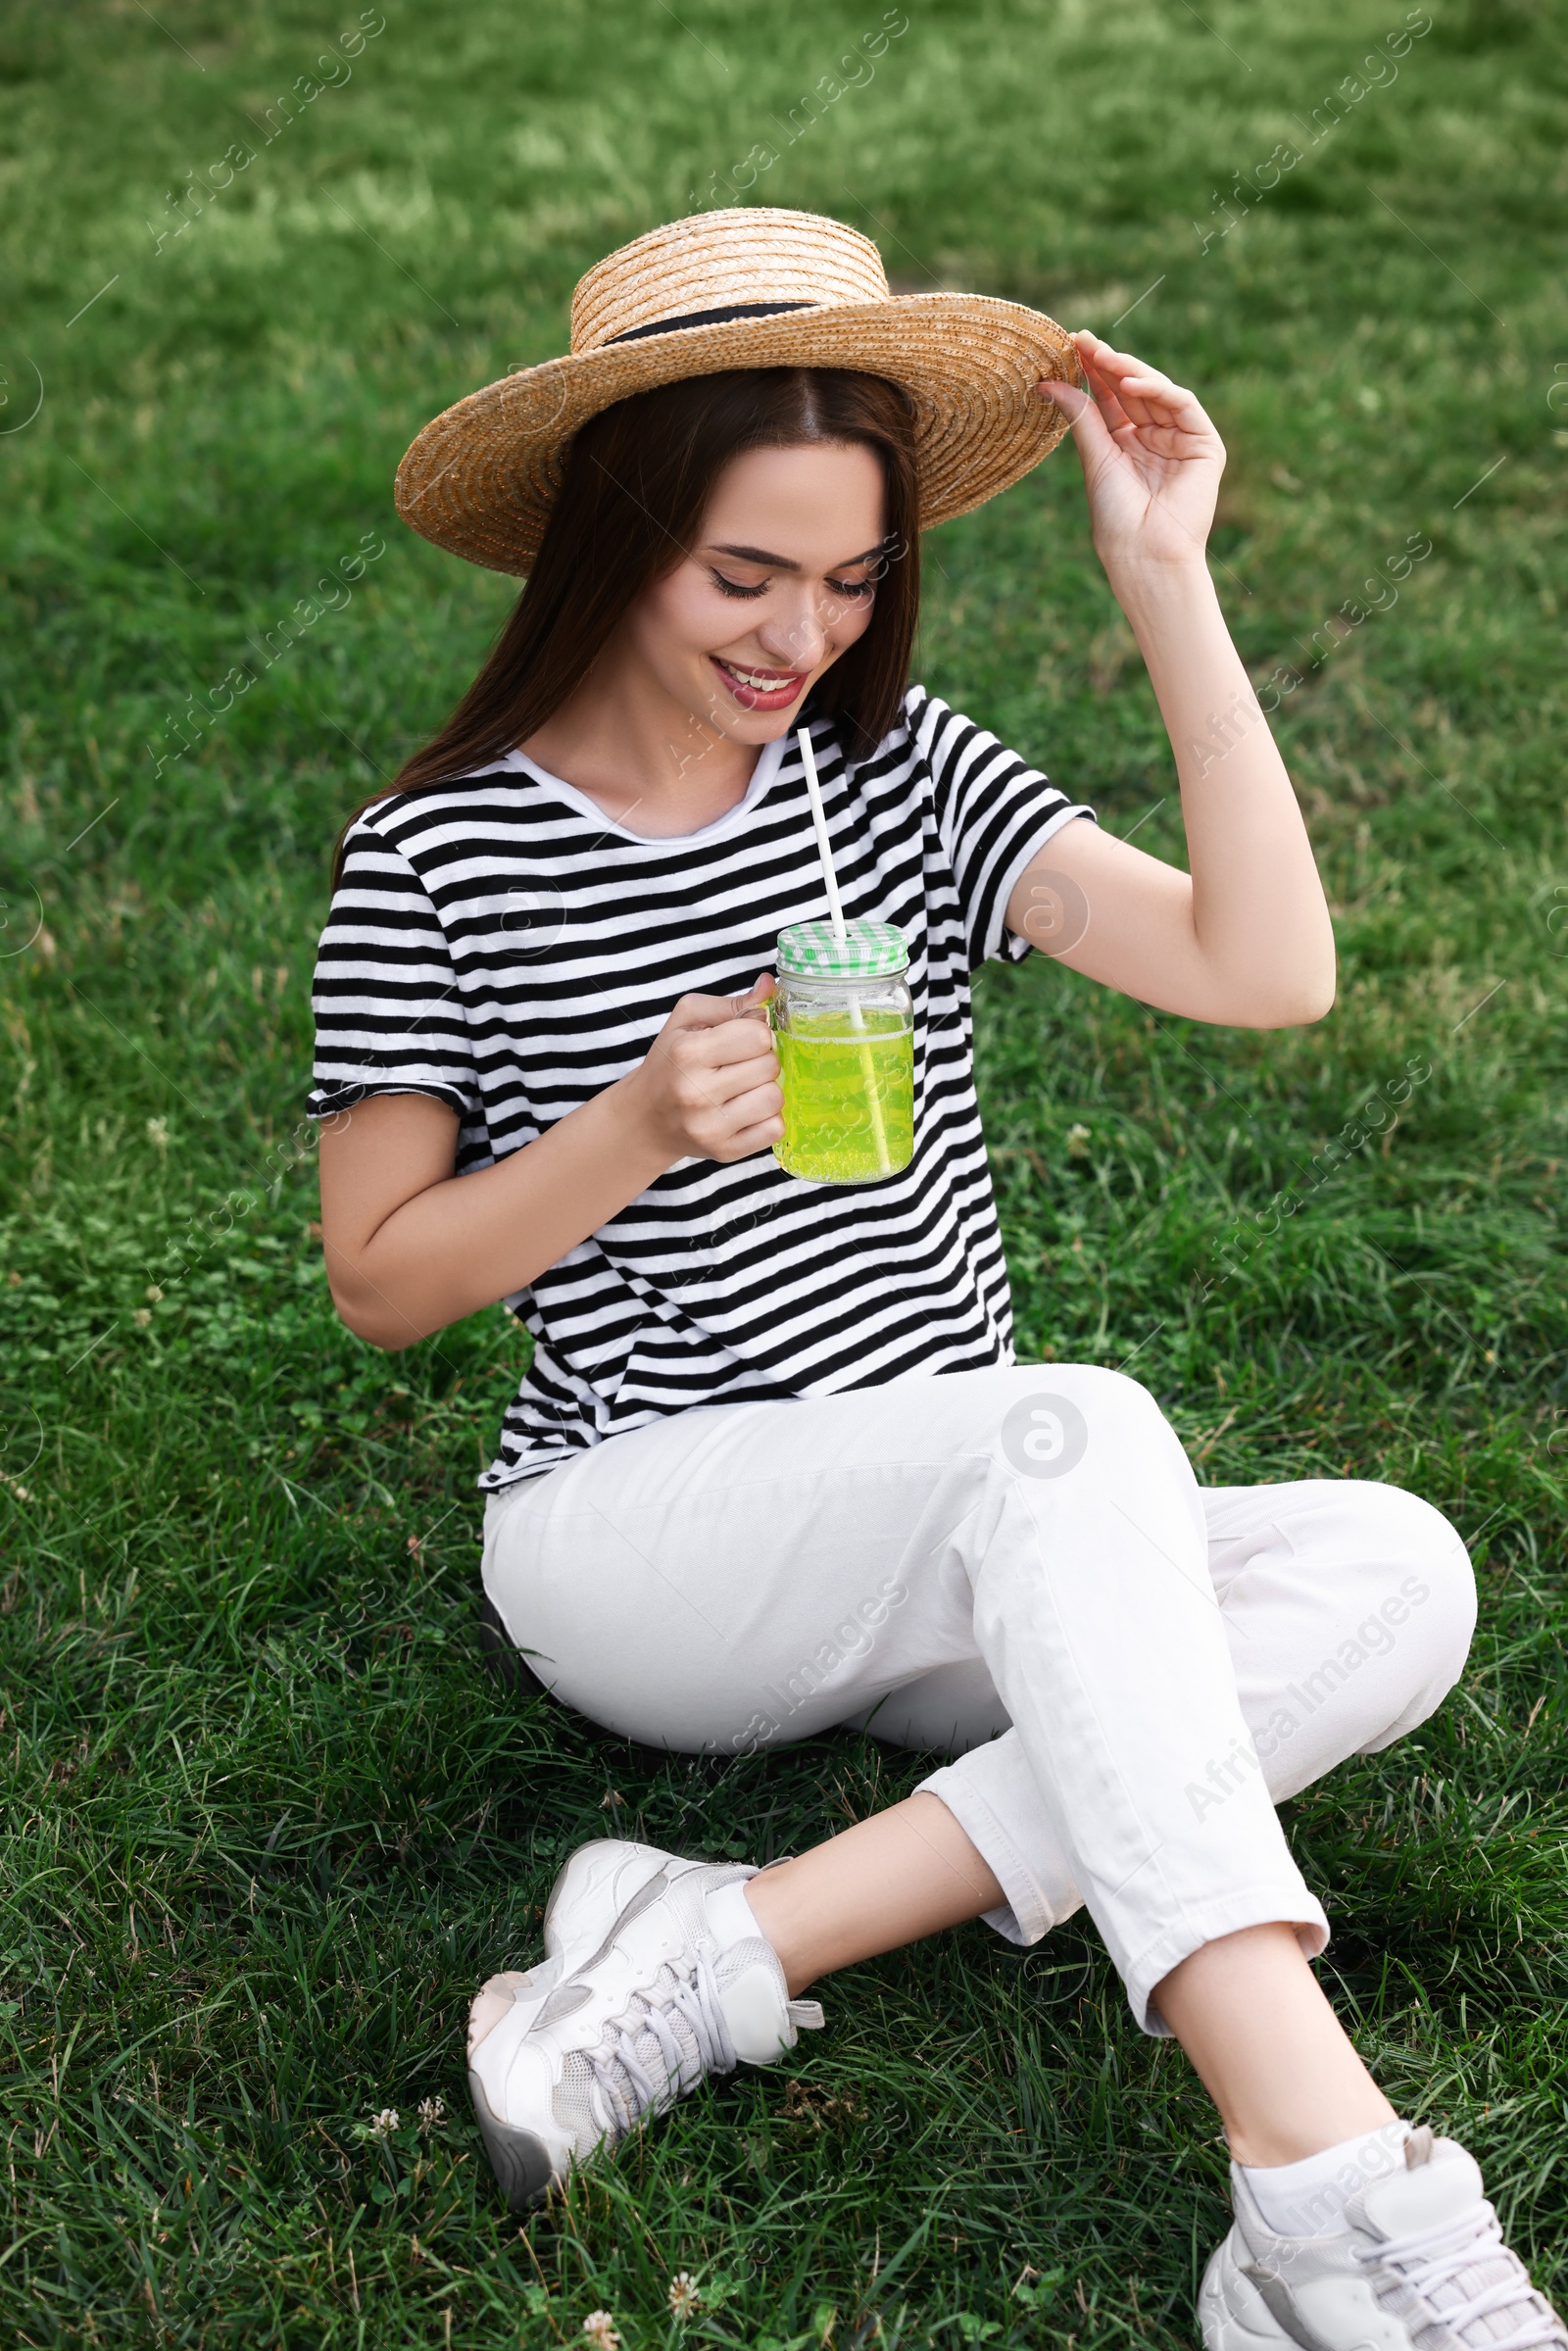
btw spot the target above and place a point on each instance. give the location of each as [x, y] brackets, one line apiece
[1019, 1568]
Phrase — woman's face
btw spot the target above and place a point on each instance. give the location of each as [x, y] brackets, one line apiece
[777, 586]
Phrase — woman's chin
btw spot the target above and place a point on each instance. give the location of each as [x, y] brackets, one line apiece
[753, 727]
[766, 726]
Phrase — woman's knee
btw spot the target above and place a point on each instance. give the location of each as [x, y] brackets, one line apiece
[1047, 1417]
[1420, 1595]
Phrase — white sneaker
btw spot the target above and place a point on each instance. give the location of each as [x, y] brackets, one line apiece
[1419, 2265]
[633, 2005]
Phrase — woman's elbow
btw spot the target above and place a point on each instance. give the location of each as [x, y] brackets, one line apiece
[1315, 1002]
[1296, 999]
[370, 1315]
[1318, 989]
[1299, 1012]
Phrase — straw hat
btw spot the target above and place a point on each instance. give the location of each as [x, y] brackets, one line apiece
[753, 287]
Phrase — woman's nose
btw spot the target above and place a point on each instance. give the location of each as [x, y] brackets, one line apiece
[798, 639]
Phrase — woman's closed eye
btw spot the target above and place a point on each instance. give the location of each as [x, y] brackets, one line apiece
[734, 587]
[856, 588]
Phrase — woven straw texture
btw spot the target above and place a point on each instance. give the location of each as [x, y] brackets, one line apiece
[481, 478]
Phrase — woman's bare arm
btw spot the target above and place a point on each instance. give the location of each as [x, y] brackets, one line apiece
[412, 1246]
[1243, 938]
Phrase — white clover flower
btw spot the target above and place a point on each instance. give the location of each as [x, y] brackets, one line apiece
[385, 2123]
[601, 2326]
[683, 2294]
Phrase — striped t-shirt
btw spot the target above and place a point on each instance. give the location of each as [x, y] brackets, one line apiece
[498, 943]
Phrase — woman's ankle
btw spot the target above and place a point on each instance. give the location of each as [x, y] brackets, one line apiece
[1268, 2142]
[1269, 2050]
[892, 1879]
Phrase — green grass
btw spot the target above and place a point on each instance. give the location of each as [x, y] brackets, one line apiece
[266, 1823]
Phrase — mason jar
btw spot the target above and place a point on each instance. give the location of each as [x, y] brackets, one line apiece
[844, 1027]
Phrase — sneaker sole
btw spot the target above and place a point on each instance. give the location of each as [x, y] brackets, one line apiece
[518, 2158]
[1232, 2314]
[520, 2161]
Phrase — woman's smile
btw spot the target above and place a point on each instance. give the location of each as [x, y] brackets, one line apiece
[758, 689]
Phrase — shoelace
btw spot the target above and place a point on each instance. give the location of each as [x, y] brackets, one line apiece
[628, 2090]
[1437, 2256]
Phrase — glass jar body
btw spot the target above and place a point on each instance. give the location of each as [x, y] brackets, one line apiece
[845, 1051]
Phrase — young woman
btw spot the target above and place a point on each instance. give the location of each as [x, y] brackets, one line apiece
[773, 1467]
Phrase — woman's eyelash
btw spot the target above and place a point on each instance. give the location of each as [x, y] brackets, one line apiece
[840, 587]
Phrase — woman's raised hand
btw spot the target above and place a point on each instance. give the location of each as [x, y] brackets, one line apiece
[1151, 459]
[709, 1085]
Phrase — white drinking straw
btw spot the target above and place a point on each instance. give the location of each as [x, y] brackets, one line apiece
[835, 908]
[824, 847]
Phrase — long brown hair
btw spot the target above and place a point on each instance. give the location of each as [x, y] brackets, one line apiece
[638, 480]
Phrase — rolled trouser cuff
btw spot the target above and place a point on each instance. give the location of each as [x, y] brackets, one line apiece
[1284, 1900]
[983, 1790]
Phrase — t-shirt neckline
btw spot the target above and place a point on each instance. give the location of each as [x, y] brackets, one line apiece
[769, 759]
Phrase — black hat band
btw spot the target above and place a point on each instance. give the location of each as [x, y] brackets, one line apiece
[715, 318]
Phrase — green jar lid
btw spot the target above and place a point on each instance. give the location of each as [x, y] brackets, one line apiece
[811, 951]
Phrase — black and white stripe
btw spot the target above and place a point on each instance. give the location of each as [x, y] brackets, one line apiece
[500, 943]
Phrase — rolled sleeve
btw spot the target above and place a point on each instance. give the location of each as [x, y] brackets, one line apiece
[996, 812]
[389, 1016]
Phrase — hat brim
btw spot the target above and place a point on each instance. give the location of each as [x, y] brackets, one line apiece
[481, 478]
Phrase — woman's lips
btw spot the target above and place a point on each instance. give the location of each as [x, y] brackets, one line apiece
[757, 698]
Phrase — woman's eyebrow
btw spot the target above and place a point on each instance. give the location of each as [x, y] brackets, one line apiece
[782, 563]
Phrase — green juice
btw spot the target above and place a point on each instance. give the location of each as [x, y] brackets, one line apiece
[849, 1096]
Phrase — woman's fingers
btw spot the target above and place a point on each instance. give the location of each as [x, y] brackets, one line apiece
[1104, 431]
[757, 1106]
[739, 1042]
[1146, 394]
[1107, 360]
[1121, 368]
[1103, 386]
[1094, 432]
[1133, 409]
